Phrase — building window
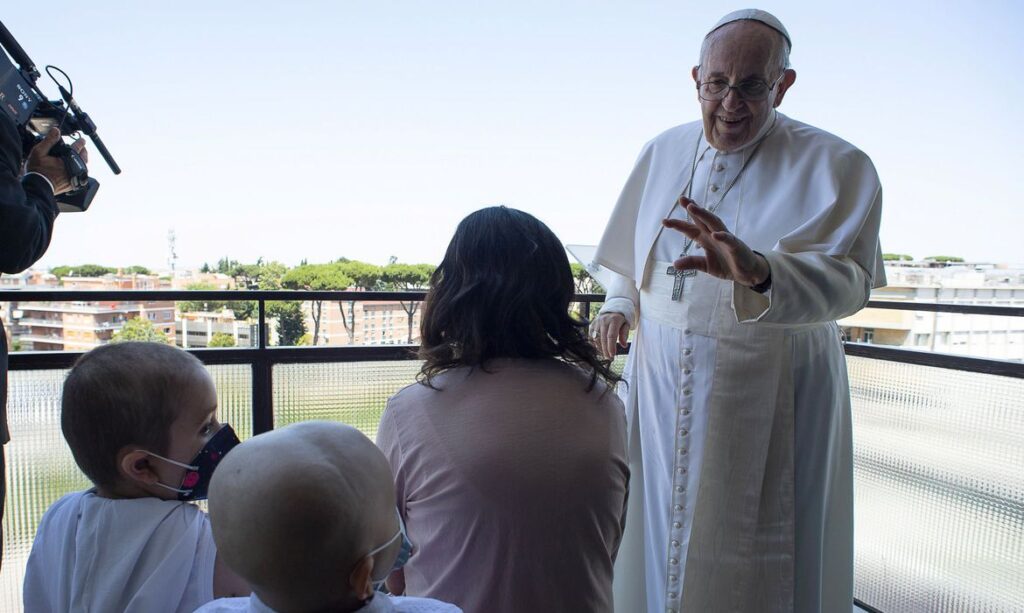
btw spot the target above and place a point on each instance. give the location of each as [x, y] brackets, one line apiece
[868, 335]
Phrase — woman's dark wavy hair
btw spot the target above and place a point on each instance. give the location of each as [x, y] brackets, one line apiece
[503, 291]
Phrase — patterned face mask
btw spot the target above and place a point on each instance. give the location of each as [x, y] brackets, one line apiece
[196, 481]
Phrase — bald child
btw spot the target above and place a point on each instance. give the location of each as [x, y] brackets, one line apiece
[306, 514]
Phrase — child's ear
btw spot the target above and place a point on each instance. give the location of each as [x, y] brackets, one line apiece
[360, 581]
[134, 466]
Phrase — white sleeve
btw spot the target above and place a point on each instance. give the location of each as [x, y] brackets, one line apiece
[622, 297]
[825, 268]
[806, 288]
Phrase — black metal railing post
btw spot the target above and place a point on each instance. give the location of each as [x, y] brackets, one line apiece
[262, 378]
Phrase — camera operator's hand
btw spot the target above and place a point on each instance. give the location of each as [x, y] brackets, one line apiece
[40, 161]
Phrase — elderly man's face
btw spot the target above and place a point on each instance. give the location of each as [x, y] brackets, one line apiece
[740, 52]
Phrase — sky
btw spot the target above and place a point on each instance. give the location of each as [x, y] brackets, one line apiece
[315, 130]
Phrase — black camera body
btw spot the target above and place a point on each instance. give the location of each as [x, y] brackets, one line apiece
[35, 115]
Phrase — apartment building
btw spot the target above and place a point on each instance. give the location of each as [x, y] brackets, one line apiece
[974, 335]
[195, 330]
[82, 325]
[365, 323]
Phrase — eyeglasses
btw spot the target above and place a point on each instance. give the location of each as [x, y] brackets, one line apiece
[752, 90]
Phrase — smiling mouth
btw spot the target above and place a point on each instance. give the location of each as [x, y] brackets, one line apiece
[731, 122]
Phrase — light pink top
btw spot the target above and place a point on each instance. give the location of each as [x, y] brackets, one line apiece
[512, 485]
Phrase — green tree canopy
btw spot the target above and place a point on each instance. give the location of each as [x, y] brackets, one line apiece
[270, 275]
[222, 339]
[225, 265]
[291, 322]
[92, 270]
[897, 257]
[944, 258]
[193, 306]
[364, 275]
[585, 284]
[83, 270]
[139, 329]
[405, 277]
[242, 309]
[317, 277]
[137, 270]
[259, 275]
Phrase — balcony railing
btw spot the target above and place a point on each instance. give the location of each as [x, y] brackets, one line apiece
[938, 444]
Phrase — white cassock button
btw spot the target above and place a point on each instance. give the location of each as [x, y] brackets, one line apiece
[686, 411]
[687, 351]
[673, 577]
[678, 508]
[687, 392]
[684, 431]
[681, 470]
[714, 188]
[680, 489]
[720, 167]
[675, 543]
[687, 331]
[677, 525]
[673, 562]
[672, 595]
[686, 371]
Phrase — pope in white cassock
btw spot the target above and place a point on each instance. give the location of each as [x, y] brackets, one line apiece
[738, 400]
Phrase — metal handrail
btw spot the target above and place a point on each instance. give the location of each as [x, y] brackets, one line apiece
[266, 356]
[18, 295]
[947, 307]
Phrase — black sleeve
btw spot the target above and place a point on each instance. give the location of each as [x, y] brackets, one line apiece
[27, 206]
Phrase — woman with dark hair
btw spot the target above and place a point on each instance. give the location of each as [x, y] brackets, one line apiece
[509, 454]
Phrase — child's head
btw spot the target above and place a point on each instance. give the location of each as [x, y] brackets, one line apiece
[299, 512]
[127, 408]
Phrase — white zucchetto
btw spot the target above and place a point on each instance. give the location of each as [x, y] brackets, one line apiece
[754, 15]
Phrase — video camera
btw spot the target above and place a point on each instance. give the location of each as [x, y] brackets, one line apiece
[35, 116]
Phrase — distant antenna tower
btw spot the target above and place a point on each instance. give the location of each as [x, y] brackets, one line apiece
[172, 255]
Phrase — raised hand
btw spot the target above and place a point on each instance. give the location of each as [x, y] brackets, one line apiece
[725, 256]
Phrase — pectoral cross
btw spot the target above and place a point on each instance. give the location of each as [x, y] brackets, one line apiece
[677, 285]
[680, 275]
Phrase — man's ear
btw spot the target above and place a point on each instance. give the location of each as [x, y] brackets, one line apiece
[134, 466]
[788, 78]
[360, 581]
[694, 73]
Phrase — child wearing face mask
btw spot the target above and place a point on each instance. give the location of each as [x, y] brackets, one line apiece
[306, 514]
[141, 422]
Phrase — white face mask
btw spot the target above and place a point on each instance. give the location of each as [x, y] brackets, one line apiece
[377, 550]
[403, 554]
